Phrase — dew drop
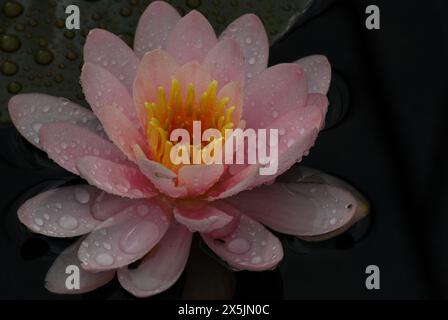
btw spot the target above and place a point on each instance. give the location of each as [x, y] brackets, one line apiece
[238, 246]
[104, 259]
[82, 195]
[39, 222]
[44, 56]
[36, 127]
[68, 222]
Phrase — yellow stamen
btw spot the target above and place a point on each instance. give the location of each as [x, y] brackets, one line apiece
[167, 113]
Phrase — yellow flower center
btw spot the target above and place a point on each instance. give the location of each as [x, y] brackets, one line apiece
[174, 112]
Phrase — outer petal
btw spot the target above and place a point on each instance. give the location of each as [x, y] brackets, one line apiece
[249, 32]
[106, 49]
[225, 62]
[191, 39]
[159, 270]
[297, 133]
[106, 205]
[154, 26]
[57, 278]
[121, 131]
[163, 178]
[200, 216]
[155, 70]
[102, 88]
[29, 111]
[118, 179]
[318, 73]
[125, 237]
[249, 247]
[233, 184]
[300, 209]
[66, 143]
[277, 91]
[62, 212]
[319, 101]
[198, 179]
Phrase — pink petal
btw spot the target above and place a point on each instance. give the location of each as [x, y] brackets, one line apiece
[159, 270]
[249, 247]
[163, 178]
[248, 31]
[193, 72]
[57, 277]
[232, 184]
[121, 131]
[118, 179]
[230, 227]
[125, 237]
[225, 62]
[106, 49]
[197, 179]
[155, 70]
[107, 205]
[154, 26]
[275, 92]
[62, 212]
[318, 73]
[234, 91]
[29, 111]
[191, 39]
[301, 209]
[297, 133]
[319, 101]
[200, 216]
[102, 89]
[66, 143]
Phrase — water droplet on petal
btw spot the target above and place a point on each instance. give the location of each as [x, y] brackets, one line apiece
[104, 259]
[238, 246]
[81, 195]
[68, 222]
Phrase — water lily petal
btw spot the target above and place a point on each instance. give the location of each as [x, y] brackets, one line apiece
[106, 205]
[191, 39]
[155, 70]
[250, 247]
[275, 92]
[301, 174]
[248, 31]
[232, 184]
[163, 178]
[102, 88]
[160, 269]
[197, 179]
[300, 209]
[320, 101]
[106, 49]
[225, 62]
[297, 133]
[120, 130]
[29, 111]
[318, 73]
[125, 237]
[122, 180]
[62, 212]
[154, 26]
[201, 216]
[66, 143]
[57, 278]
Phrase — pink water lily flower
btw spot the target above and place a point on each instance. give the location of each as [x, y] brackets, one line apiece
[137, 204]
